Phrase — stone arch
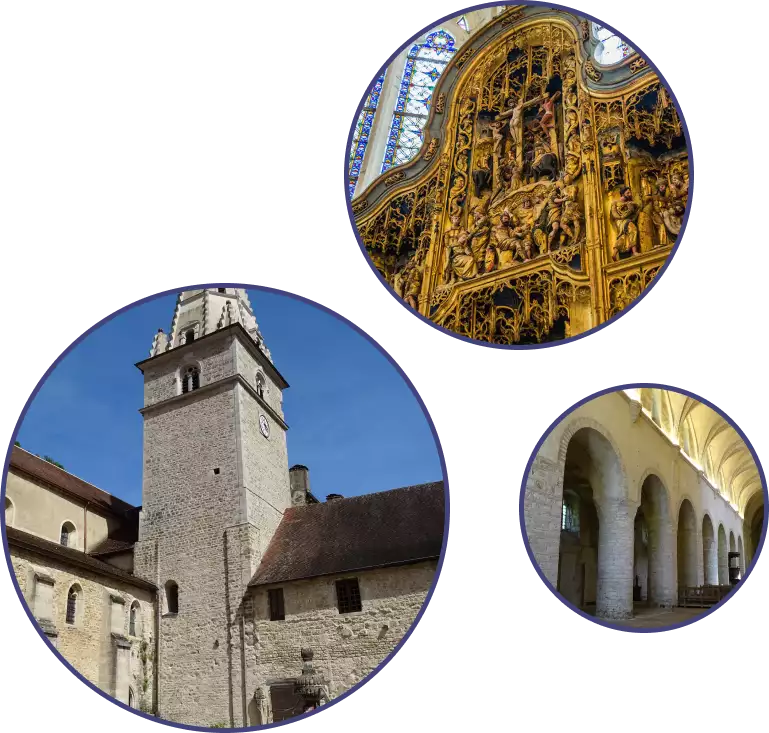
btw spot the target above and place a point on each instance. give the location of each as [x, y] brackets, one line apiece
[580, 423]
[68, 534]
[654, 508]
[135, 619]
[73, 614]
[185, 381]
[261, 384]
[590, 463]
[10, 512]
[171, 597]
[723, 557]
[687, 544]
[709, 551]
[732, 542]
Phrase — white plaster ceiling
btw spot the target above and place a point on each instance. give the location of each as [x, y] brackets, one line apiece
[713, 443]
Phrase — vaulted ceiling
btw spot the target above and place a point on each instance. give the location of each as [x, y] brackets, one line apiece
[709, 440]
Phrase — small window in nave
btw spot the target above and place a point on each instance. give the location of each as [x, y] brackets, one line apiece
[72, 599]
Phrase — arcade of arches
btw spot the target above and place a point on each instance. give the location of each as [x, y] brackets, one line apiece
[644, 506]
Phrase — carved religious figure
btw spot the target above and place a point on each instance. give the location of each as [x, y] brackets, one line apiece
[480, 234]
[508, 240]
[624, 212]
[514, 113]
[673, 217]
[571, 218]
[459, 261]
[413, 279]
[679, 188]
[509, 175]
[555, 201]
[482, 176]
[547, 120]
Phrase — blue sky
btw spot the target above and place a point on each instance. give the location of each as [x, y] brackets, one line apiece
[352, 419]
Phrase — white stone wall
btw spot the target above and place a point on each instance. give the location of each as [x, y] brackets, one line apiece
[88, 644]
[641, 450]
[41, 511]
[348, 646]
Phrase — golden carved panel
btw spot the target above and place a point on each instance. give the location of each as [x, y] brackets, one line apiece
[548, 198]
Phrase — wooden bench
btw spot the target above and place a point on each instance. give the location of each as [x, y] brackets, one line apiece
[703, 596]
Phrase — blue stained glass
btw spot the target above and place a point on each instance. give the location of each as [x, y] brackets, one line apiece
[425, 63]
[361, 135]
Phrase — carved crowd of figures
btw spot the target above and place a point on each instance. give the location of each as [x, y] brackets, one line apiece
[655, 221]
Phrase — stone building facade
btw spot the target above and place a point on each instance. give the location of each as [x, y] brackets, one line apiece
[243, 585]
[638, 495]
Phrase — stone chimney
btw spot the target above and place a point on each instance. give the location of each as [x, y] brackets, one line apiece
[299, 476]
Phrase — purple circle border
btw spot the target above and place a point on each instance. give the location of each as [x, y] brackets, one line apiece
[617, 626]
[520, 347]
[383, 352]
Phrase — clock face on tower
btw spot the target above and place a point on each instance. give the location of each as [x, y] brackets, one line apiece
[264, 426]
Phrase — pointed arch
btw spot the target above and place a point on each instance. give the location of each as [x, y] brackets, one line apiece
[361, 134]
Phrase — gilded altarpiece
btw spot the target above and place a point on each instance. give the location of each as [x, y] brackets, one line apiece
[552, 192]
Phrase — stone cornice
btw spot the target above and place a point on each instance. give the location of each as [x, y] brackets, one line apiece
[236, 330]
[230, 381]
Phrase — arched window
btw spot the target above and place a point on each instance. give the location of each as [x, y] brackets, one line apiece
[190, 379]
[261, 384]
[611, 49]
[68, 535]
[361, 135]
[73, 598]
[570, 512]
[172, 597]
[131, 698]
[424, 66]
[8, 512]
[189, 336]
[134, 620]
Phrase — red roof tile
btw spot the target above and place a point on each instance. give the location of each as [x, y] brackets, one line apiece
[375, 530]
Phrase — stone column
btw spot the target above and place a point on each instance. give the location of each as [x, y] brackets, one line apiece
[615, 559]
[542, 503]
[710, 560]
[661, 563]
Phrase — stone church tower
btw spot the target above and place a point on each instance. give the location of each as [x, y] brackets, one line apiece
[215, 486]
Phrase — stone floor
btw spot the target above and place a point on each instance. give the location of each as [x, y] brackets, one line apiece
[648, 617]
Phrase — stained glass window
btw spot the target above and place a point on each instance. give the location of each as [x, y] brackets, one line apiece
[463, 24]
[611, 49]
[424, 66]
[361, 135]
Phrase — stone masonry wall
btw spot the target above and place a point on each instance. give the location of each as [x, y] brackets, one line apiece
[213, 356]
[88, 644]
[187, 509]
[347, 647]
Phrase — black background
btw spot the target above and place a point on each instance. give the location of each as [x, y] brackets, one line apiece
[181, 153]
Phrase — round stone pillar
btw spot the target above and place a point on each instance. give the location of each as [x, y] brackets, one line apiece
[661, 563]
[614, 599]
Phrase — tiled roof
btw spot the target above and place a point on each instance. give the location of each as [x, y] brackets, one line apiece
[71, 556]
[363, 532]
[110, 546]
[60, 479]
